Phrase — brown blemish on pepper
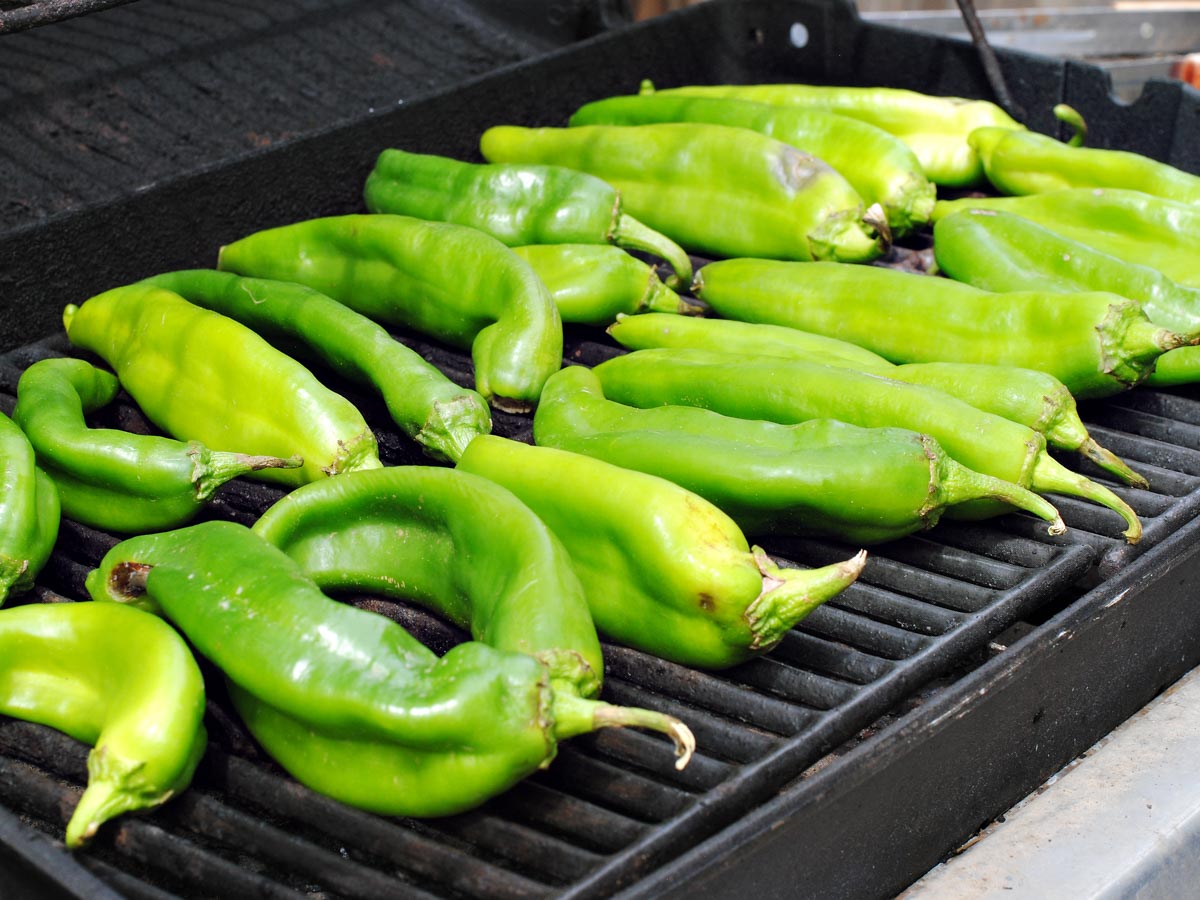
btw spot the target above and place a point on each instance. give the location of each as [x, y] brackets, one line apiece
[128, 579]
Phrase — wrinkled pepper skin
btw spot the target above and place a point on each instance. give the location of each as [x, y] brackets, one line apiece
[665, 571]
[1001, 251]
[112, 479]
[29, 512]
[431, 409]
[821, 477]
[118, 679]
[337, 694]
[1095, 343]
[936, 128]
[878, 165]
[789, 391]
[592, 284]
[516, 204]
[714, 189]
[190, 370]
[1026, 396]
[454, 542]
[451, 282]
[1129, 225]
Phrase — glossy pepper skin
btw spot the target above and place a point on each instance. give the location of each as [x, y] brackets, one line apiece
[431, 409]
[1026, 396]
[187, 368]
[448, 281]
[790, 391]
[118, 679]
[516, 204]
[878, 165]
[1129, 225]
[29, 511]
[713, 188]
[936, 128]
[592, 284]
[346, 700]
[1001, 251]
[821, 477]
[665, 571]
[1095, 343]
[112, 479]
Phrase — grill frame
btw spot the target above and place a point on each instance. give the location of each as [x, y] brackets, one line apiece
[729, 844]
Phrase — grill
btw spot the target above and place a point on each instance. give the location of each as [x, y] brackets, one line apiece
[965, 666]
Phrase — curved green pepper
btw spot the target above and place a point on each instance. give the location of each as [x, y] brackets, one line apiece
[592, 283]
[936, 128]
[428, 406]
[1026, 396]
[515, 204]
[29, 511]
[118, 679]
[346, 700]
[112, 479]
[202, 376]
[881, 167]
[1095, 343]
[664, 571]
[713, 188]
[820, 477]
[451, 282]
[791, 390]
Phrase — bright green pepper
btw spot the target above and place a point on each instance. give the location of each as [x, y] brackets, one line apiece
[713, 188]
[201, 376]
[431, 409]
[118, 679]
[791, 390]
[593, 283]
[1027, 396]
[515, 204]
[451, 282]
[1001, 251]
[936, 128]
[665, 571]
[29, 512]
[881, 167]
[820, 477]
[112, 479]
[346, 700]
[1095, 343]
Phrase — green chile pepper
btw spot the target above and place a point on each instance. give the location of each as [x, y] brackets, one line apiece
[202, 376]
[1129, 225]
[29, 511]
[515, 204]
[665, 571]
[820, 477]
[1027, 396]
[1001, 251]
[428, 406]
[111, 479]
[592, 283]
[881, 167]
[451, 282]
[1095, 343]
[936, 128]
[713, 188]
[451, 541]
[792, 390]
[346, 700]
[118, 679]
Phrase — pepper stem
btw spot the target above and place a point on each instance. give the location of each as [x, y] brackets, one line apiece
[788, 595]
[1070, 116]
[1049, 475]
[1112, 463]
[575, 715]
[959, 484]
[629, 233]
[212, 468]
[661, 299]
